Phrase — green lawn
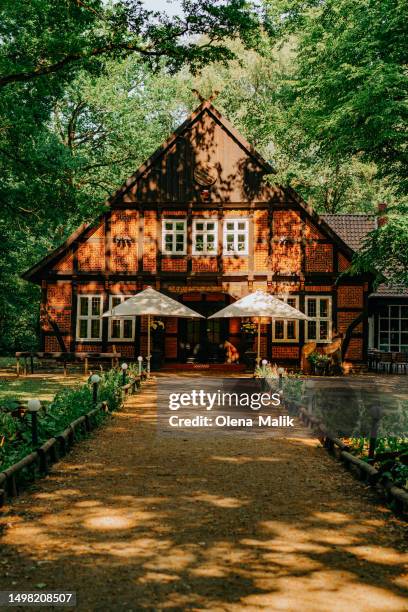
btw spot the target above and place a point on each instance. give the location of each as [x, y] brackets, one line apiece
[41, 387]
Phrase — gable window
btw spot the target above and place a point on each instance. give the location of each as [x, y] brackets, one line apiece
[236, 237]
[286, 330]
[318, 309]
[174, 236]
[205, 237]
[393, 329]
[120, 328]
[89, 325]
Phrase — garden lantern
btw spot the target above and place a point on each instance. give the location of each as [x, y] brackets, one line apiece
[33, 406]
[95, 380]
[264, 364]
[124, 367]
[140, 360]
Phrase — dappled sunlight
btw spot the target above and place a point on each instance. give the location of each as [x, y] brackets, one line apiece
[243, 459]
[226, 523]
[220, 502]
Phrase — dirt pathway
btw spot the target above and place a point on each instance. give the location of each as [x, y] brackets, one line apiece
[135, 522]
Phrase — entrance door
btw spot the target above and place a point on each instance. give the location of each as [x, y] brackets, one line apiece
[202, 336]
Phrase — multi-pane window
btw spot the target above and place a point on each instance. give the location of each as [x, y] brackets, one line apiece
[89, 325]
[286, 330]
[174, 236]
[204, 237]
[120, 328]
[318, 327]
[393, 328]
[236, 236]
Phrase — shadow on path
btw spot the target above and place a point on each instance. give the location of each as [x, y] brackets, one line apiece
[132, 521]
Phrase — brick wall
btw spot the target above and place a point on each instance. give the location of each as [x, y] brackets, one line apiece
[311, 232]
[59, 294]
[91, 253]
[91, 287]
[261, 239]
[286, 258]
[124, 254]
[66, 264]
[319, 257]
[343, 263]
[350, 296]
[344, 320]
[204, 264]
[285, 352]
[287, 223]
[150, 241]
[171, 264]
[355, 349]
[233, 264]
[171, 347]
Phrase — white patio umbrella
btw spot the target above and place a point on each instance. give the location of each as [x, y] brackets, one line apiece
[151, 302]
[259, 304]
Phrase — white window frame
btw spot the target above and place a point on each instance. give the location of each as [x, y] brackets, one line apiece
[174, 232]
[398, 331]
[89, 317]
[121, 320]
[285, 338]
[236, 232]
[205, 233]
[318, 318]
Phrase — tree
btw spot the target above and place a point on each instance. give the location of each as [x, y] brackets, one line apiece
[46, 37]
[351, 84]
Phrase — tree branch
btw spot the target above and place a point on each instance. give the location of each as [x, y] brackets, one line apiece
[23, 77]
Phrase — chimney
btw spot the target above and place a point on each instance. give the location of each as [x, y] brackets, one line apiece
[382, 216]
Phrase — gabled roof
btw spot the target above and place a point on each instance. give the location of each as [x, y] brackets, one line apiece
[205, 106]
[352, 228]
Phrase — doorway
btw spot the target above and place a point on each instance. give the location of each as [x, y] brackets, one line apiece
[200, 339]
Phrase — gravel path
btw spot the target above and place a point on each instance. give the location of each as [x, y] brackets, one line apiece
[136, 522]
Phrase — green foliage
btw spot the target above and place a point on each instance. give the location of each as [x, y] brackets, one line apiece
[53, 418]
[91, 88]
[385, 250]
[350, 84]
[318, 359]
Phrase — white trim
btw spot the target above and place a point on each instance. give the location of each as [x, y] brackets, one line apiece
[89, 317]
[318, 318]
[205, 233]
[235, 232]
[173, 232]
[285, 338]
[121, 320]
[390, 331]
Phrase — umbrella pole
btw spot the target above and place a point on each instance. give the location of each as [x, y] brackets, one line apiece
[148, 346]
[258, 356]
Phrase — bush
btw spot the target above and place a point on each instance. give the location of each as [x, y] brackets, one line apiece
[67, 405]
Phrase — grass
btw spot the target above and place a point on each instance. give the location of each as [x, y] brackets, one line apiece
[42, 387]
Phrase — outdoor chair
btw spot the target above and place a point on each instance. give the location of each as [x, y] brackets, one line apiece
[385, 362]
[373, 360]
[401, 362]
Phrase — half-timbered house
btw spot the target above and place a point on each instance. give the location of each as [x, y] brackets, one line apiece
[202, 221]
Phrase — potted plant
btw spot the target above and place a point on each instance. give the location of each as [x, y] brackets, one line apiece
[319, 362]
[157, 329]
